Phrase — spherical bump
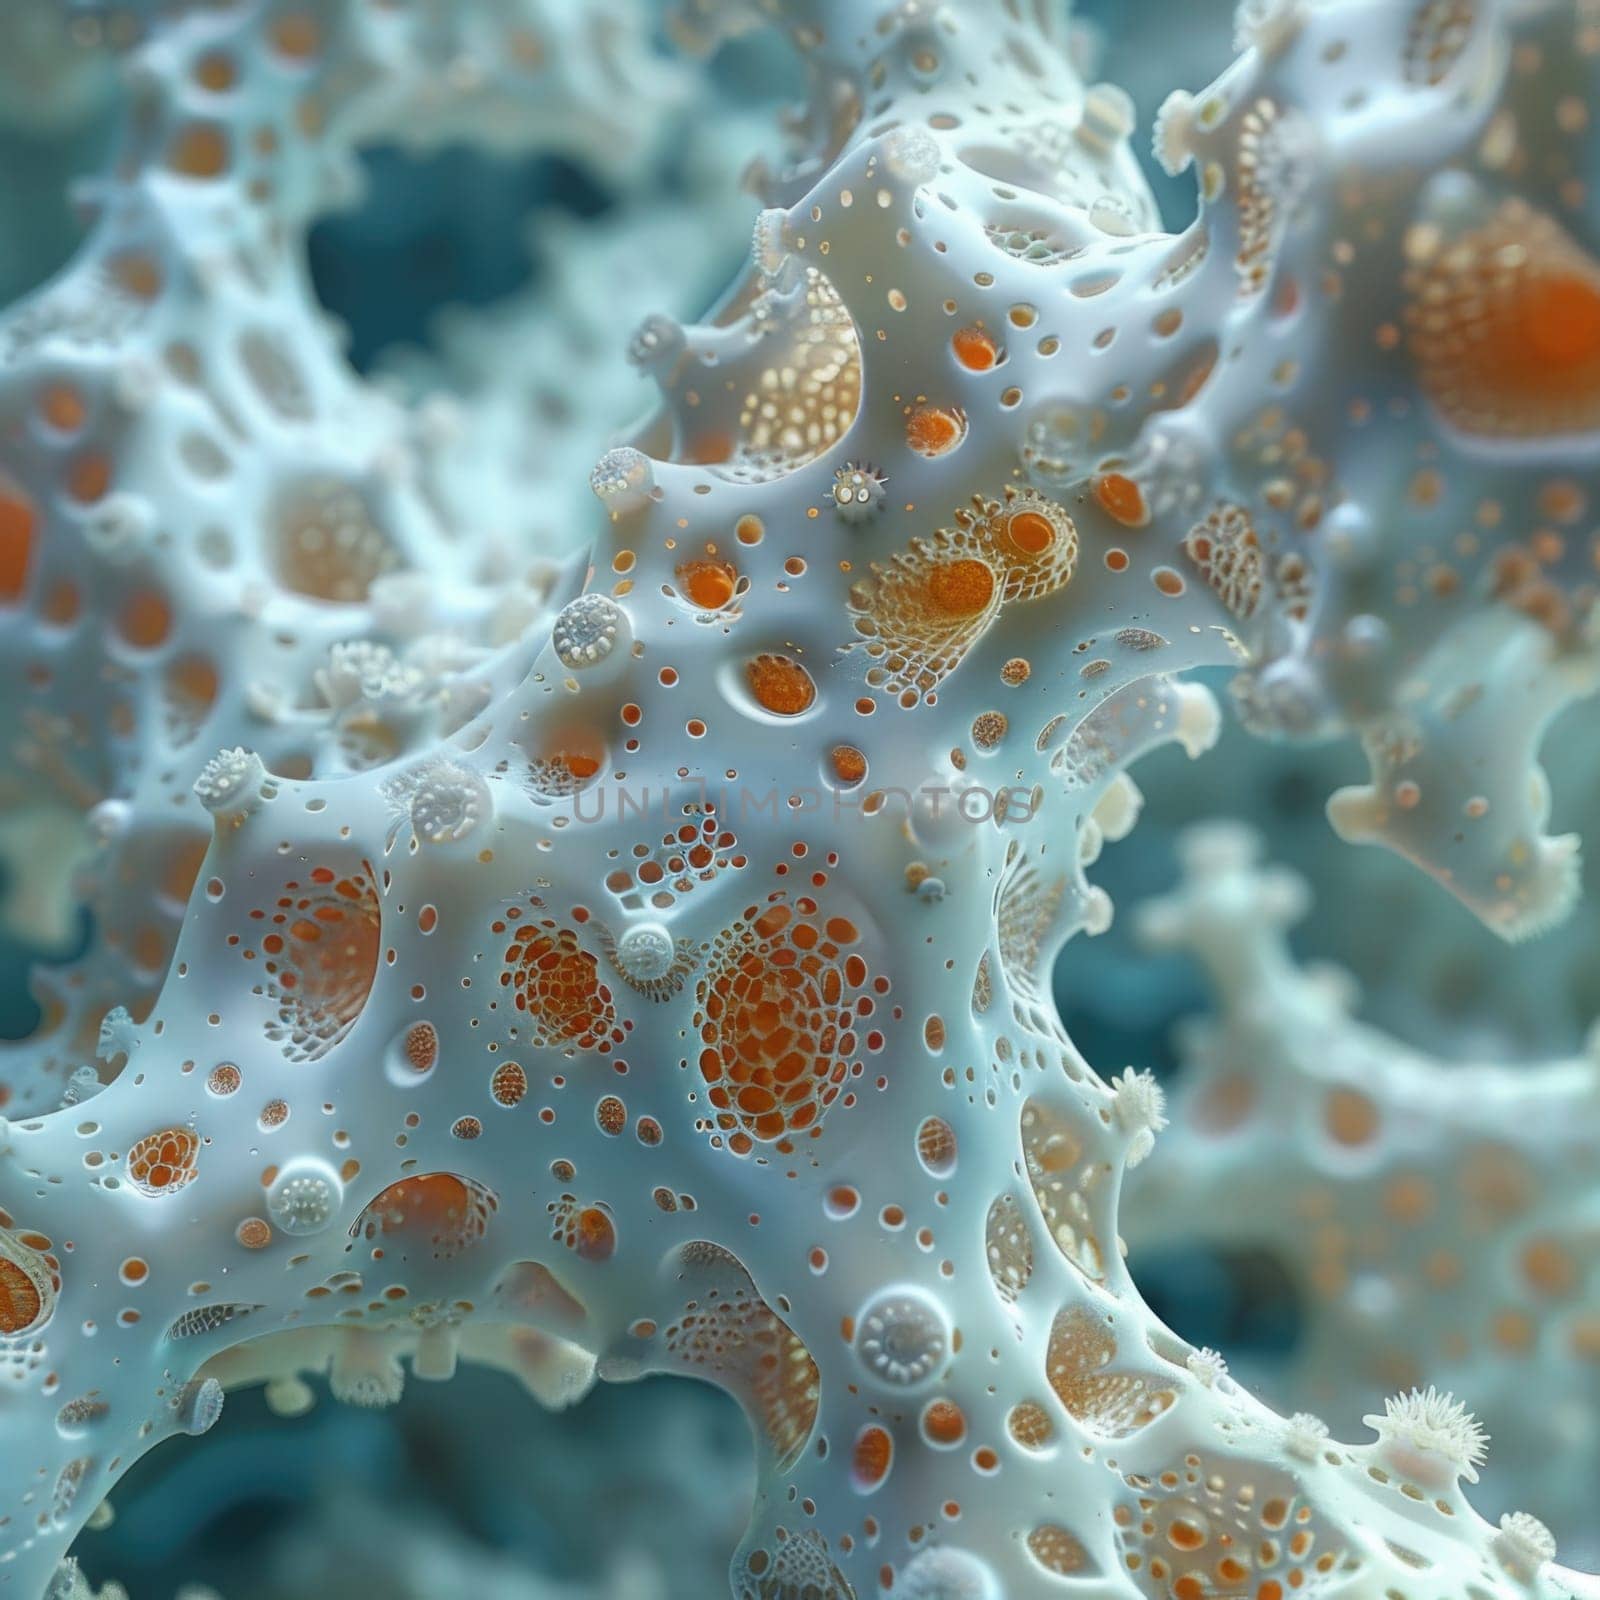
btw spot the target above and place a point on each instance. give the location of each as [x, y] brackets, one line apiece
[902, 1337]
[1174, 132]
[768, 249]
[1524, 1541]
[254, 1233]
[448, 802]
[198, 1406]
[912, 154]
[289, 1397]
[1432, 1433]
[305, 1196]
[623, 479]
[657, 344]
[645, 952]
[224, 1079]
[370, 1380]
[945, 1574]
[230, 784]
[1269, 26]
[858, 493]
[361, 672]
[588, 629]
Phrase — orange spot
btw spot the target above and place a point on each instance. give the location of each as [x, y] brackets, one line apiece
[297, 35]
[709, 584]
[145, 619]
[709, 448]
[577, 751]
[16, 543]
[1351, 1118]
[216, 72]
[595, 1239]
[849, 764]
[1030, 532]
[931, 431]
[193, 679]
[1122, 499]
[437, 1205]
[961, 588]
[20, 1300]
[975, 350]
[62, 407]
[137, 273]
[781, 685]
[873, 1454]
[200, 150]
[1561, 321]
[944, 1423]
[88, 478]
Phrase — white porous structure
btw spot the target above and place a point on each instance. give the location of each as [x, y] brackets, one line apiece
[211, 532]
[414, 1085]
[1440, 1221]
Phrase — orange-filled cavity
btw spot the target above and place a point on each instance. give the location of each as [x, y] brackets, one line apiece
[162, 1163]
[199, 150]
[422, 1046]
[568, 757]
[20, 1300]
[1122, 499]
[943, 1423]
[780, 684]
[1505, 328]
[708, 584]
[961, 588]
[321, 952]
[17, 527]
[594, 1235]
[849, 764]
[557, 984]
[297, 35]
[449, 1212]
[872, 1457]
[1030, 532]
[62, 406]
[935, 430]
[975, 349]
[145, 619]
[776, 1021]
[509, 1084]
